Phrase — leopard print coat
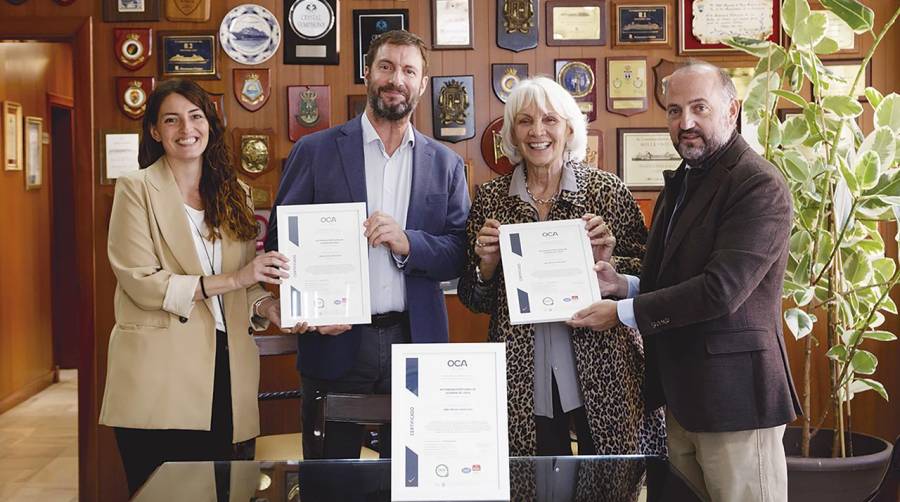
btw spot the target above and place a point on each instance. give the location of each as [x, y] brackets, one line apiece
[610, 364]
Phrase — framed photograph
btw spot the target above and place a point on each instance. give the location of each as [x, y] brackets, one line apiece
[452, 24]
[311, 32]
[118, 154]
[643, 155]
[636, 24]
[704, 24]
[12, 136]
[593, 155]
[34, 153]
[356, 104]
[626, 85]
[843, 72]
[576, 22]
[189, 54]
[117, 11]
[369, 24]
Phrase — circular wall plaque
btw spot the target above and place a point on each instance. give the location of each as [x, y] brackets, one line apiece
[250, 34]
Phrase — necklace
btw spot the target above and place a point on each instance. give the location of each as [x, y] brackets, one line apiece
[209, 259]
[536, 200]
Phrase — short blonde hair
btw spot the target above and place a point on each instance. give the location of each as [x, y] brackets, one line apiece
[547, 96]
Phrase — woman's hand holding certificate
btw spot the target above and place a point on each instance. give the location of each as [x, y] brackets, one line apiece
[548, 268]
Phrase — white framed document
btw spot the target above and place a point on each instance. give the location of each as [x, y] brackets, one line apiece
[549, 270]
[450, 438]
[329, 264]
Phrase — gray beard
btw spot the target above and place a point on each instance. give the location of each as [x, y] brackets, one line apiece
[390, 112]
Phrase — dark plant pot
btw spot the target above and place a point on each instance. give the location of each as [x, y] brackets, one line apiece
[820, 478]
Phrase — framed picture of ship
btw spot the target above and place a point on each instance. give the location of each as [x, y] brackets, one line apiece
[190, 54]
[643, 155]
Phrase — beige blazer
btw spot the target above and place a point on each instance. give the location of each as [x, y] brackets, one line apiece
[161, 359]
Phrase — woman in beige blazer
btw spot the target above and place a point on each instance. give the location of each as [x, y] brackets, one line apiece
[183, 372]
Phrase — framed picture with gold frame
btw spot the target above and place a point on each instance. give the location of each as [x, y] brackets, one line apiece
[576, 22]
[12, 136]
[641, 23]
[34, 153]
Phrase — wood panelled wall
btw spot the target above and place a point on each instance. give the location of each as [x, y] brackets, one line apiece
[101, 474]
[30, 71]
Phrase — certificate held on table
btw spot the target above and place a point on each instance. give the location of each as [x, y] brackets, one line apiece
[329, 260]
[549, 270]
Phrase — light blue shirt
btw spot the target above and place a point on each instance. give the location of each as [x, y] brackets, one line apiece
[388, 185]
[625, 308]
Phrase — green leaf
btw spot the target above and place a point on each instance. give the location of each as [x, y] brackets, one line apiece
[888, 305]
[792, 75]
[849, 178]
[874, 96]
[798, 322]
[888, 113]
[881, 336]
[774, 132]
[842, 106]
[826, 46]
[810, 30]
[859, 17]
[864, 362]
[793, 97]
[876, 386]
[857, 267]
[850, 337]
[791, 12]
[761, 87]
[758, 48]
[888, 185]
[796, 166]
[838, 353]
[867, 170]
[772, 62]
[880, 141]
[802, 298]
[795, 131]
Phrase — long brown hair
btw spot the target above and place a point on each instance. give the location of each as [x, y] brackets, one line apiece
[223, 197]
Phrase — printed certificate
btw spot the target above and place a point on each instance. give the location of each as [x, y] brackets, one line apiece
[329, 282]
[549, 270]
[449, 414]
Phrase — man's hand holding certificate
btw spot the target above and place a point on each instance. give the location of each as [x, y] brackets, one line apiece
[548, 268]
[329, 264]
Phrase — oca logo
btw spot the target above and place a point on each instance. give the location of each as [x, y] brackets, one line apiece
[550, 234]
[457, 363]
[328, 219]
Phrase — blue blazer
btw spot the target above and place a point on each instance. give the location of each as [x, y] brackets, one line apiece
[328, 167]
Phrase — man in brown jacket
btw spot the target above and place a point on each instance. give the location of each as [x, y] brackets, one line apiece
[708, 301]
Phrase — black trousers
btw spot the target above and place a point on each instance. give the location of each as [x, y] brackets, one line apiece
[370, 374]
[143, 450]
[553, 433]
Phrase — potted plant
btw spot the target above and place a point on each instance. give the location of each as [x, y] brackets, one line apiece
[845, 186]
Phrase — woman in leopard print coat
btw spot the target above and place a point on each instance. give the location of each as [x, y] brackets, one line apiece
[544, 133]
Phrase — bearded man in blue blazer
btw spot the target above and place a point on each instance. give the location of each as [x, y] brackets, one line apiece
[417, 199]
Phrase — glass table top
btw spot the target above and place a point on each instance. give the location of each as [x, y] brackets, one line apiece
[558, 479]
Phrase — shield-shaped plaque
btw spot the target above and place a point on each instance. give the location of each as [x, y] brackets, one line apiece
[505, 77]
[309, 109]
[132, 94]
[251, 87]
[453, 108]
[491, 150]
[662, 71]
[133, 47]
[195, 11]
[254, 150]
[578, 76]
[517, 24]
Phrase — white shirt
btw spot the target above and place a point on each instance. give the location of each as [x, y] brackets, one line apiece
[388, 185]
[209, 253]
